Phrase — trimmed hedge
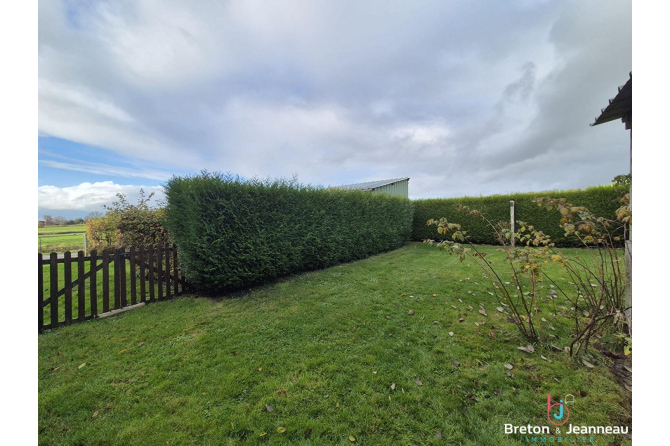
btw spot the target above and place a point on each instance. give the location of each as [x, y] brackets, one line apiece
[601, 200]
[233, 233]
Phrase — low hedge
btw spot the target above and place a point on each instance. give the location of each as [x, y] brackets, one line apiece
[602, 200]
[233, 233]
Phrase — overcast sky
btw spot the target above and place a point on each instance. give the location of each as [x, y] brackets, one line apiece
[464, 97]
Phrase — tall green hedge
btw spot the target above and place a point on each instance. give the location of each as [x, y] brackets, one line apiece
[233, 233]
[602, 200]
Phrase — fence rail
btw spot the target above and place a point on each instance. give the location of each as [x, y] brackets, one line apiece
[74, 288]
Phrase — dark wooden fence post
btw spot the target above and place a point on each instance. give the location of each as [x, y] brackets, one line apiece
[159, 263]
[117, 279]
[167, 270]
[53, 288]
[105, 280]
[67, 270]
[122, 278]
[93, 282]
[40, 293]
[133, 278]
[81, 287]
[142, 275]
[151, 258]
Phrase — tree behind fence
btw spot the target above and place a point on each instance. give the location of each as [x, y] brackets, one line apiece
[75, 289]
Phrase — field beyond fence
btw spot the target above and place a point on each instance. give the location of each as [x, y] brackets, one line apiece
[61, 238]
[78, 288]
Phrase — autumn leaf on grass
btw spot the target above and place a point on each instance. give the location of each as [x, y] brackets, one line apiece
[528, 348]
[418, 382]
[483, 312]
[269, 408]
[81, 366]
[508, 366]
[457, 364]
[393, 386]
[410, 312]
[587, 364]
[95, 414]
[352, 438]
[281, 430]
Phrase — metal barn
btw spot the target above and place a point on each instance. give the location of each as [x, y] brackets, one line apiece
[396, 186]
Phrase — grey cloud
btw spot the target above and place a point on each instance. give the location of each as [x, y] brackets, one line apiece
[464, 97]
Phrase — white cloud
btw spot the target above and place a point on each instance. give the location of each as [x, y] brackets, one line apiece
[464, 97]
[90, 197]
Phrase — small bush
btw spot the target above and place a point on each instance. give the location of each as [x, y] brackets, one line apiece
[126, 224]
[101, 232]
[601, 200]
[233, 233]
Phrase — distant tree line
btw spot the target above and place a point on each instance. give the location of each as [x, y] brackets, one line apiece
[62, 221]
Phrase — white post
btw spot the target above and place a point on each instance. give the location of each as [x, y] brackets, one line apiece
[511, 220]
[85, 245]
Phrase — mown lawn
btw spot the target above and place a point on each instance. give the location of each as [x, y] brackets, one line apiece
[320, 358]
[63, 228]
[61, 238]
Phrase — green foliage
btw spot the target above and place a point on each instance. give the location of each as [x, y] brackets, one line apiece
[126, 224]
[598, 280]
[516, 284]
[138, 225]
[101, 232]
[233, 233]
[601, 200]
[623, 182]
[598, 277]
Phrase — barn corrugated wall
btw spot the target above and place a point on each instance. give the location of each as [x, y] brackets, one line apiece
[400, 188]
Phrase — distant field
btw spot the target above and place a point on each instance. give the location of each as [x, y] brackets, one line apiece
[61, 238]
[64, 228]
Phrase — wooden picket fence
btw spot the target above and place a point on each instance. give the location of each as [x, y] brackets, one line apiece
[78, 288]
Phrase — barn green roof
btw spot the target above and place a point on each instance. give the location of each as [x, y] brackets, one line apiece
[370, 184]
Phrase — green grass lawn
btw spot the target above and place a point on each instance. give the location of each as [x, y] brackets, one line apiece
[63, 228]
[315, 359]
[61, 238]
